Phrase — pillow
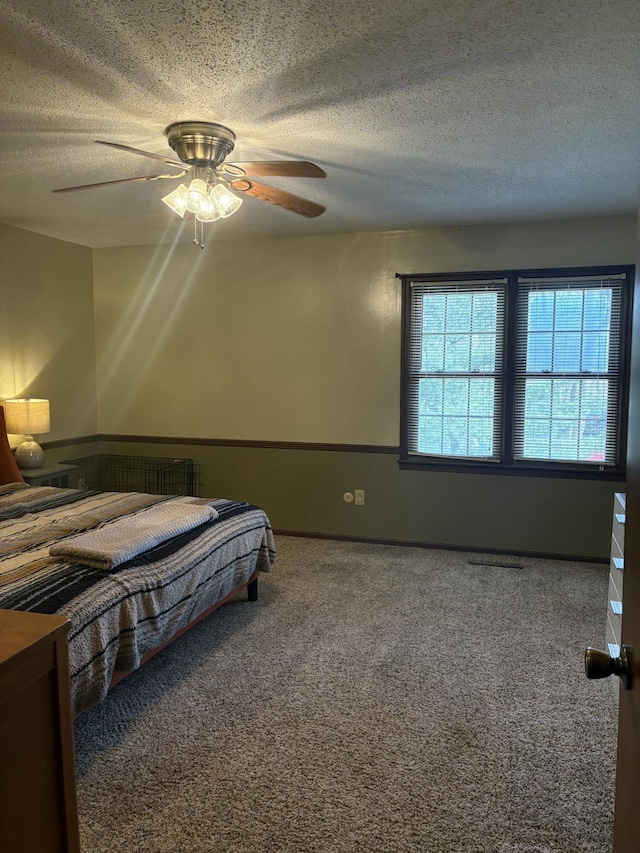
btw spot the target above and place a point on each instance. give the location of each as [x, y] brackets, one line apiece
[9, 471]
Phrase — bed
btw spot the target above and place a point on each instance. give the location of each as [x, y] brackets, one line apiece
[121, 616]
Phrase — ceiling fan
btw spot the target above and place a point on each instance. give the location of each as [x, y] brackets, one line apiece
[202, 148]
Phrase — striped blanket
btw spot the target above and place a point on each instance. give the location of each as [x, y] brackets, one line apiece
[118, 616]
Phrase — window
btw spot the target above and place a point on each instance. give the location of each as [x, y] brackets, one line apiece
[516, 370]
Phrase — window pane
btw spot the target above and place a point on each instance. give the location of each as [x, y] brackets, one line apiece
[541, 305]
[433, 312]
[481, 398]
[445, 319]
[432, 353]
[595, 352]
[456, 396]
[538, 438]
[540, 352]
[430, 397]
[564, 440]
[430, 436]
[457, 354]
[566, 419]
[597, 309]
[455, 436]
[568, 310]
[458, 317]
[481, 437]
[456, 416]
[568, 331]
[565, 398]
[566, 351]
[485, 309]
[538, 399]
[459, 332]
[483, 352]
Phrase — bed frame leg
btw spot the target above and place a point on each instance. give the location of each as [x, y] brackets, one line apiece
[252, 590]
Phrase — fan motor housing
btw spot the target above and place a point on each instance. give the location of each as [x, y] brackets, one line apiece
[200, 143]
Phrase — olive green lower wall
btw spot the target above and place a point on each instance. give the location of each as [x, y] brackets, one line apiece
[301, 490]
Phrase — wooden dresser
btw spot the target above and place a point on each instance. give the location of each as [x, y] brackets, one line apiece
[38, 807]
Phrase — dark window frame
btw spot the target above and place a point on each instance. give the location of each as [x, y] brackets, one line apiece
[507, 465]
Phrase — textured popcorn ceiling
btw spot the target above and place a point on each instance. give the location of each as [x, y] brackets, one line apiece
[421, 113]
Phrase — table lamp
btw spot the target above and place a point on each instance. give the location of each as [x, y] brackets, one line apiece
[28, 417]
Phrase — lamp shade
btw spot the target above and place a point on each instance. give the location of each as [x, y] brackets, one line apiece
[27, 417]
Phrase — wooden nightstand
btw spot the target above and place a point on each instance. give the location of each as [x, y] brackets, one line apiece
[62, 476]
[37, 772]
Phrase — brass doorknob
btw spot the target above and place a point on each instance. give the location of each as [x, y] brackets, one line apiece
[599, 664]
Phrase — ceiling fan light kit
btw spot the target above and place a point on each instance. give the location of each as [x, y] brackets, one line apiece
[202, 148]
[206, 197]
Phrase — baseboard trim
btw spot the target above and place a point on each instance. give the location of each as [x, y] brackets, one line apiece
[439, 546]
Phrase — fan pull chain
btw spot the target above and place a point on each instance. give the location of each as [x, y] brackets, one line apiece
[195, 231]
[198, 241]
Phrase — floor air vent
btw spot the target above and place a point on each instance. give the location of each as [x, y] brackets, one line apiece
[495, 564]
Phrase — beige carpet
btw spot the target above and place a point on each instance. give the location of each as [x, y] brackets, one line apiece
[374, 699]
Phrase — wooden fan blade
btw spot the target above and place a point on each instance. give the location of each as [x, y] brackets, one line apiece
[287, 200]
[160, 157]
[119, 181]
[274, 169]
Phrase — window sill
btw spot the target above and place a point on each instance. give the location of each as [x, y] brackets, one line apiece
[466, 467]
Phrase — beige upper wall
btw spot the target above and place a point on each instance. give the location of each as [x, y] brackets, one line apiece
[291, 339]
[47, 336]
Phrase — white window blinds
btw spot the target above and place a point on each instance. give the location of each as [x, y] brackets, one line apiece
[567, 382]
[455, 383]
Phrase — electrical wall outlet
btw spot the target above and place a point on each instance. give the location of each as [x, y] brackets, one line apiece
[359, 493]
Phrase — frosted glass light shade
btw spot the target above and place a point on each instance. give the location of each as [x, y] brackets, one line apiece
[226, 201]
[209, 210]
[177, 200]
[26, 417]
[196, 195]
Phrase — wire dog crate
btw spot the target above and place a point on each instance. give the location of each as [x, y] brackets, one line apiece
[154, 475]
